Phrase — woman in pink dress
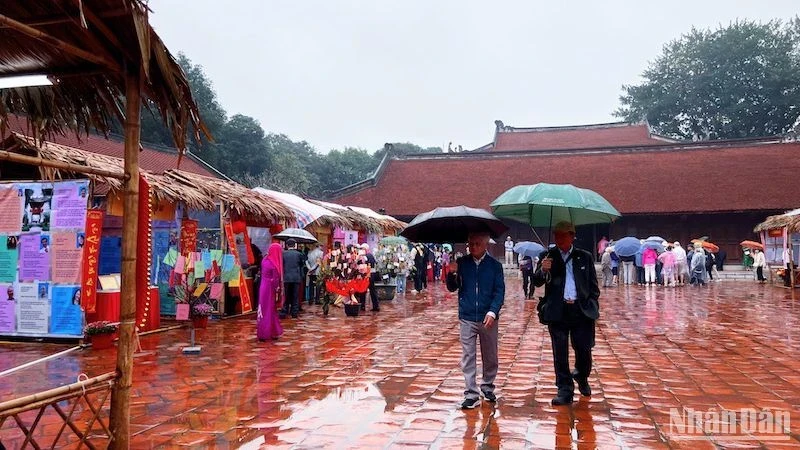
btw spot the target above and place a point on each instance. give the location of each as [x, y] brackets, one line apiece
[268, 325]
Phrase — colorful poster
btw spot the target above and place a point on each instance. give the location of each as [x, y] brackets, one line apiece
[244, 294]
[8, 308]
[66, 256]
[91, 259]
[350, 237]
[70, 200]
[110, 255]
[8, 259]
[34, 257]
[33, 310]
[11, 205]
[66, 316]
[37, 211]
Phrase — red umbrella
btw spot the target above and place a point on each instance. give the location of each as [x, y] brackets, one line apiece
[752, 244]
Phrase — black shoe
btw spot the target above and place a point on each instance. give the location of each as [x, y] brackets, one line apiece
[490, 397]
[561, 400]
[583, 384]
[294, 316]
[470, 403]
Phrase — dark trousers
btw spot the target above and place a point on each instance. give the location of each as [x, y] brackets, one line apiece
[292, 305]
[419, 275]
[579, 330]
[760, 275]
[313, 292]
[527, 283]
[373, 293]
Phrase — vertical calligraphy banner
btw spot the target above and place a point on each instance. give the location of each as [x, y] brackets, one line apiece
[244, 294]
[91, 258]
[188, 236]
[144, 254]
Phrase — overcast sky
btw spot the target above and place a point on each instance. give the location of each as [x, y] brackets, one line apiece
[340, 73]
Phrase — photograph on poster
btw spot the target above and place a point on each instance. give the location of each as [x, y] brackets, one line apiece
[44, 244]
[11, 242]
[10, 293]
[37, 209]
[76, 297]
[43, 288]
[80, 240]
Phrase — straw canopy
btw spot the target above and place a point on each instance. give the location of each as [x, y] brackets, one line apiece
[387, 222]
[305, 212]
[362, 220]
[791, 220]
[86, 48]
[241, 201]
[174, 186]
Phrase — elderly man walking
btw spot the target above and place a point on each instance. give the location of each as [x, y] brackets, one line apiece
[569, 308]
[481, 290]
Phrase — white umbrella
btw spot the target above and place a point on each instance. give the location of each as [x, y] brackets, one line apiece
[298, 234]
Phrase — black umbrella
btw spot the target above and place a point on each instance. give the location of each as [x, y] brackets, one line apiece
[452, 224]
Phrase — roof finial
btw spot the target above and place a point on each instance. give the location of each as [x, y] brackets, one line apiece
[499, 125]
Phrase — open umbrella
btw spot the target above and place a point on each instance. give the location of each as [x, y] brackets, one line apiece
[627, 246]
[394, 240]
[654, 244]
[544, 204]
[298, 234]
[527, 248]
[713, 248]
[452, 224]
[752, 244]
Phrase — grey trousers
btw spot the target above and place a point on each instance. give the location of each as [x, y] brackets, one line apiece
[470, 332]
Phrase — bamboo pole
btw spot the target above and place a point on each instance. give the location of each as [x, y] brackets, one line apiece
[53, 393]
[41, 162]
[120, 396]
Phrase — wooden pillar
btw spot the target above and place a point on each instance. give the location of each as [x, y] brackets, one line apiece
[120, 395]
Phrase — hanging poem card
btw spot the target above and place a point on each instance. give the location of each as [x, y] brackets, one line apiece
[34, 257]
[182, 311]
[11, 205]
[69, 204]
[200, 289]
[180, 265]
[216, 291]
[66, 257]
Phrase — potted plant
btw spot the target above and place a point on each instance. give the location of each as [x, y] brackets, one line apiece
[391, 264]
[345, 274]
[101, 333]
[200, 313]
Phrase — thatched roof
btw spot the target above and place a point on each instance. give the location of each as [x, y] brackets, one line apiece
[86, 47]
[386, 221]
[174, 186]
[241, 201]
[358, 219]
[306, 213]
[790, 219]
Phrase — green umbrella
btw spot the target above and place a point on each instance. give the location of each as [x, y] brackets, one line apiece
[394, 240]
[544, 204]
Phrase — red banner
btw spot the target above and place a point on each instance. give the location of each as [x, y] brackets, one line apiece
[244, 294]
[188, 236]
[91, 259]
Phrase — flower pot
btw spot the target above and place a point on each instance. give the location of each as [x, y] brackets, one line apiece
[385, 291]
[352, 309]
[200, 322]
[102, 341]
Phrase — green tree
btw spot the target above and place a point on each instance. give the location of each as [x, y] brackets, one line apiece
[404, 148]
[742, 80]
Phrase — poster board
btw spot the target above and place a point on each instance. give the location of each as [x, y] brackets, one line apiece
[42, 238]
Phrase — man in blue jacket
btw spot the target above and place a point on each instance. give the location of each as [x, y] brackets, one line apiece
[481, 288]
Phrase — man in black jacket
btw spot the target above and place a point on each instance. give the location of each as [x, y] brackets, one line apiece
[293, 262]
[569, 308]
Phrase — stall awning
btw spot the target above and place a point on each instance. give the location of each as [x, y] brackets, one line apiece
[789, 219]
[387, 221]
[359, 220]
[305, 212]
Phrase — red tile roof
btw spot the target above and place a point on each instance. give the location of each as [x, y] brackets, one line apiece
[586, 136]
[152, 159]
[689, 178]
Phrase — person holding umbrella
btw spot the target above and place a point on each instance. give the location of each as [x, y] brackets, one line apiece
[569, 308]
[478, 278]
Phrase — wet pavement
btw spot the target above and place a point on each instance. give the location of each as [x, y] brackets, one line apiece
[391, 379]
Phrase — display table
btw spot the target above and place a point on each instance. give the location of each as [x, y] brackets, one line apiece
[108, 306]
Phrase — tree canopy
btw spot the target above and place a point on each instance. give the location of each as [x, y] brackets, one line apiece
[243, 151]
[741, 80]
